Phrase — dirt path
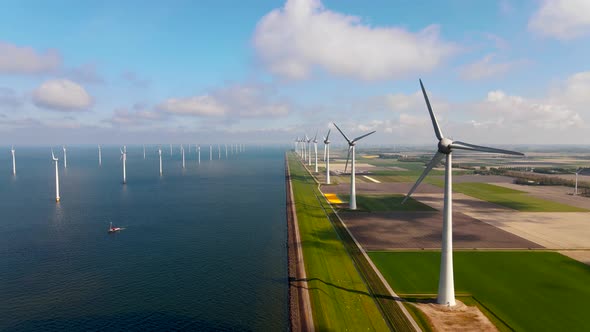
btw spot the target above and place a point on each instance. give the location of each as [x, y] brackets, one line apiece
[457, 318]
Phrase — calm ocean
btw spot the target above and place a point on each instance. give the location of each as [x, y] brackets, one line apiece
[203, 248]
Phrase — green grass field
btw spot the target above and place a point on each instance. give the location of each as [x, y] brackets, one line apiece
[515, 199]
[383, 203]
[529, 291]
[339, 297]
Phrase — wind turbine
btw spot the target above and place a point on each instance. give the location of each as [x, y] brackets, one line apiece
[182, 150]
[65, 157]
[210, 152]
[446, 285]
[226, 151]
[160, 154]
[315, 147]
[309, 139]
[218, 151]
[124, 158]
[144, 152]
[304, 148]
[14, 162]
[56, 176]
[99, 156]
[170, 149]
[351, 148]
[199, 153]
[327, 156]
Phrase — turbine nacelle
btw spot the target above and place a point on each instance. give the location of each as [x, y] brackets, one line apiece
[444, 145]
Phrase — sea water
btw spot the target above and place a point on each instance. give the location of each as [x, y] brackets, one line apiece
[204, 248]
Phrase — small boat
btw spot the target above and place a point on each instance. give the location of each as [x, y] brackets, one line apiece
[114, 229]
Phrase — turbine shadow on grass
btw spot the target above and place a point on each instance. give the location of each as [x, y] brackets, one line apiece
[308, 280]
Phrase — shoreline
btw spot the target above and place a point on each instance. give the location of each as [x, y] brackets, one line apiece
[300, 315]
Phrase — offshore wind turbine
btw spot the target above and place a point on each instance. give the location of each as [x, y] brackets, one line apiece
[160, 154]
[446, 285]
[199, 153]
[99, 156]
[351, 148]
[56, 176]
[315, 147]
[65, 157]
[218, 151]
[182, 151]
[226, 151]
[124, 158]
[327, 156]
[14, 161]
[210, 152]
[144, 152]
[170, 149]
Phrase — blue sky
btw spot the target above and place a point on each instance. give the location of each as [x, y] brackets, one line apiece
[267, 71]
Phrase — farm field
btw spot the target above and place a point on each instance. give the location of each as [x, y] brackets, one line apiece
[528, 291]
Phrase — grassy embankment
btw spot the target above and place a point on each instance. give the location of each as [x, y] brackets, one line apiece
[340, 299]
[528, 291]
[345, 291]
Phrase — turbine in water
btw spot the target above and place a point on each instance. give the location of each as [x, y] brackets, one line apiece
[56, 161]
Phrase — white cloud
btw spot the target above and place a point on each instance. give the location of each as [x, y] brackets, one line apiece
[303, 35]
[197, 105]
[486, 68]
[562, 19]
[139, 115]
[62, 95]
[25, 60]
[231, 101]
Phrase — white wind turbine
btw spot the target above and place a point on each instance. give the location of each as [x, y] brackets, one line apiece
[56, 176]
[144, 152]
[351, 148]
[65, 157]
[304, 148]
[14, 161]
[182, 151]
[315, 147]
[309, 139]
[124, 158]
[576, 186]
[99, 156]
[160, 154]
[170, 149]
[327, 156]
[226, 151]
[218, 151]
[446, 285]
[210, 152]
[199, 153]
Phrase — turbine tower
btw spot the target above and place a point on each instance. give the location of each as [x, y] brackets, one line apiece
[170, 149]
[210, 152]
[160, 154]
[144, 152]
[56, 176]
[14, 162]
[351, 148]
[446, 285]
[65, 157]
[99, 156]
[182, 150]
[575, 188]
[226, 151]
[327, 156]
[124, 158]
[309, 151]
[218, 151]
[315, 147]
[199, 153]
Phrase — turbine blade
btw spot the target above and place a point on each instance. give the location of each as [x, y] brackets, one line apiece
[316, 136]
[52, 155]
[347, 158]
[346, 138]
[479, 148]
[363, 136]
[328, 135]
[435, 160]
[437, 130]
